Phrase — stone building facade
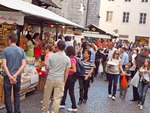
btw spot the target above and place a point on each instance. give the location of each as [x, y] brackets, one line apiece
[92, 9]
[70, 9]
[82, 12]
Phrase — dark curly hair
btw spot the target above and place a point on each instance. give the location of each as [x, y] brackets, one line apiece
[35, 35]
[70, 51]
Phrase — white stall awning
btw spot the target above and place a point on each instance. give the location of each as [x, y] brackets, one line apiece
[30, 9]
[11, 17]
[96, 35]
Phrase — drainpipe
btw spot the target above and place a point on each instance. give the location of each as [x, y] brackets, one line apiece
[87, 13]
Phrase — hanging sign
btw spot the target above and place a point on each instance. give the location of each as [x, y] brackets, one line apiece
[11, 17]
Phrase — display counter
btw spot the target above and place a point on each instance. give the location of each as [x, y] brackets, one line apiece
[28, 84]
[32, 78]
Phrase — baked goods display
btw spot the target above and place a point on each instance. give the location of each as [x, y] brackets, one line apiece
[5, 30]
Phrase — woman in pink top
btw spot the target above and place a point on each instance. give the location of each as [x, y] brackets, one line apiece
[70, 52]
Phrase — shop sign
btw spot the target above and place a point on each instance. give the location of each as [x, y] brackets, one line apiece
[77, 32]
[11, 17]
[91, 32]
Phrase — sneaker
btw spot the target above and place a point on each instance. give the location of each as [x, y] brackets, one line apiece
[72, 109]
[109, 95]
[84, 101]
[61, 106]
[80, 102]
[141, 107]
[113, 98]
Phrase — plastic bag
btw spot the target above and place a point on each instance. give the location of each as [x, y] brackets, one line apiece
[100, 68]
[135, 80]
[124, 82]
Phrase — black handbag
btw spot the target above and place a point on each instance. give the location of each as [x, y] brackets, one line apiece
[144, 81]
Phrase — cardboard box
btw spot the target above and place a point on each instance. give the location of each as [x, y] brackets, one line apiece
[1, 85]
[1, 80]
[1, 90]
[24, 80]
[22, 96]
[1, 99]
[33, 78]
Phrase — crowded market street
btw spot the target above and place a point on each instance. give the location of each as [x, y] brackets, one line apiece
[98, 101]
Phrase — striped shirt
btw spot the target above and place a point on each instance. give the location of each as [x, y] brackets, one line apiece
[88, 65]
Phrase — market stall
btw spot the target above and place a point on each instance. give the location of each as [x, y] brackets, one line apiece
[29, 81]
[17, 16]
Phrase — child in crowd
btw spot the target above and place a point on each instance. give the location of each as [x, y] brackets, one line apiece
[144, 82]
[123, 90]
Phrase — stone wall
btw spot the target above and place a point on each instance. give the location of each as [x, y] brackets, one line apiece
[69, 9]
[93, 12]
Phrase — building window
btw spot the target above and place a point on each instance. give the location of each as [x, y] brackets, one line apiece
[109, 16]
[142, 18]
[125, 17]
[127, 0]
[144, 0]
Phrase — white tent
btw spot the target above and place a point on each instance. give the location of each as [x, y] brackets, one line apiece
[11, 17]
[33, 10]
[94, 35]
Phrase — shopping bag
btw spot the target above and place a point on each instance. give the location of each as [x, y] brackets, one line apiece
[100, 68]
[124, 82]
[135, 80]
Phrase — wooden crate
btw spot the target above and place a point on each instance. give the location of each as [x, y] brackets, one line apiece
[41, 84]
[22, 96]
[30, 91]
[1, 87]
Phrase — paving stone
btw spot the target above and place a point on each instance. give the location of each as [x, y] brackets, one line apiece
[98, 101]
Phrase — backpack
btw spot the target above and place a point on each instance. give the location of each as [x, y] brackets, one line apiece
[80, 71]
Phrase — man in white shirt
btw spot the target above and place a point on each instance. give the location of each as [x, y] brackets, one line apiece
[112, 49]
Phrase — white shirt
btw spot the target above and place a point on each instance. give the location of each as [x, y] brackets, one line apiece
[111, 52]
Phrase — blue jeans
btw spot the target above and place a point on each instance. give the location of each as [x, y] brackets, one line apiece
[112, 78]
[143, 87]
[16, 94]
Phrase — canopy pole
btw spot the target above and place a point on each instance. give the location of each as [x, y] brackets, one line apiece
[57, 31]
[41, 30]
[19, 30]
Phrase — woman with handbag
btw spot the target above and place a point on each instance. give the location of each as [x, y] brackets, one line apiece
[84, 81]
[113, 69]
[144, 82]
[70, 52]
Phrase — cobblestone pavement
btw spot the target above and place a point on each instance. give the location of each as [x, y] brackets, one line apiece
[98, 101]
